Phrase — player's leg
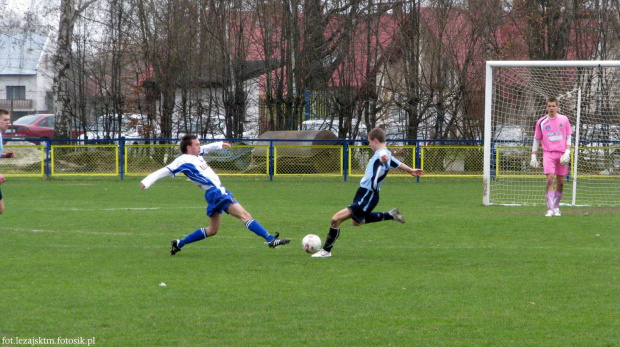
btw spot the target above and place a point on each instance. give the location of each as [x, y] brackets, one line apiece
[553, 169]
[236, 210]
[550, 193]
[199, 234]
[355, 212]
[334, 227]
[334, 232]
[559, 189]
[369, 202]
[549, 165]
[373, 217]
[225, 201]
[1, 203]
[393, 214]
[340, 217]
[363, 206]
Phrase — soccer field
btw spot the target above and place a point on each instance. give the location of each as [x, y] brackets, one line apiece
[84, 258]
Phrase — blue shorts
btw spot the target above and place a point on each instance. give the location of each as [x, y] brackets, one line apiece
[218, 202]
[363, 204]
[0, 195]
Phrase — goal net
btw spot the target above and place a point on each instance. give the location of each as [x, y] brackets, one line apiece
[588, 93]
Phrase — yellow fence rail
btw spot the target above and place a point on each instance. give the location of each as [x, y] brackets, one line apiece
[141, 160]
[308, 160]
[450, 161]
[29, 161]
[113, 159]
[84, 160]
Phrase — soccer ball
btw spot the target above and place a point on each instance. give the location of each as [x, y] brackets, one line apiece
[311, 243]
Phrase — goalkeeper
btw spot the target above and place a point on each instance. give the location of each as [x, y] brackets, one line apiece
[554, 132]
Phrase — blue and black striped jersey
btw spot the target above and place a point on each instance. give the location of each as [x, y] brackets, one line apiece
[376, 171]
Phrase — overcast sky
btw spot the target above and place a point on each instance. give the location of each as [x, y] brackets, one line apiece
[40, 7]
[21, 6]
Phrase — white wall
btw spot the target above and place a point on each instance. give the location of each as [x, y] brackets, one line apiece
[37, 85]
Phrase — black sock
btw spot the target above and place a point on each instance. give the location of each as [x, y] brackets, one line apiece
[378, 217]
[332, 236]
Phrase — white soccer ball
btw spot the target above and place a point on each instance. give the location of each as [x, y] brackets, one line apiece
[311, 243]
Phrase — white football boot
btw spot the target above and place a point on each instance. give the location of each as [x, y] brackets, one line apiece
[556, 212]
[549, 213]
[397, 215]
[322, 254]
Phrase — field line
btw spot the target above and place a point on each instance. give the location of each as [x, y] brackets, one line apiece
[117, 208]
[24, 230]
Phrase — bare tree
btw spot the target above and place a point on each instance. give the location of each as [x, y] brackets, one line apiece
[280, 39]
[464, 49]
[309, 40]
[231, 62]
[406, 82]
[69, 14]
[354, 93]
[196, 60]
[283, 99]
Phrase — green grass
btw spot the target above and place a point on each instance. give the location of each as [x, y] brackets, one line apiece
[85, 257]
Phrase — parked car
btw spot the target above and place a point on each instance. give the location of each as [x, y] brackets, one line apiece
[214, 128]
[36, 126]
[324, 124]
[133, 126]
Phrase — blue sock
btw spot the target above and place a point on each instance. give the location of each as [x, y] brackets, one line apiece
[197, 235]
[258, 229]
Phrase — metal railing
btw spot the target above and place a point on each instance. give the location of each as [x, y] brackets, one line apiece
[17, 104]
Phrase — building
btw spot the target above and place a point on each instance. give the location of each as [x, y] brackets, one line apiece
[26, 76]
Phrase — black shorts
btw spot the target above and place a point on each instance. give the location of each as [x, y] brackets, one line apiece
[0, 195]
[364, 203]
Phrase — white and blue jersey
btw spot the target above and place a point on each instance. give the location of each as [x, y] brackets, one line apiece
[367, 195]
[197, 169]
[199, 172]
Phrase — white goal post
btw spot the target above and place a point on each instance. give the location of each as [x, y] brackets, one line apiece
[588, 93]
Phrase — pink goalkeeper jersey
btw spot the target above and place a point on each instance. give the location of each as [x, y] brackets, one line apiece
[553, 132]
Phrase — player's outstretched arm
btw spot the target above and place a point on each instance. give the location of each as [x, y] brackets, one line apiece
[214, 146]
[150, 179]
[411, 171]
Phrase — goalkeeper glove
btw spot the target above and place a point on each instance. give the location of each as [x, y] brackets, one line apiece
[565, 158]
[534, 162]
